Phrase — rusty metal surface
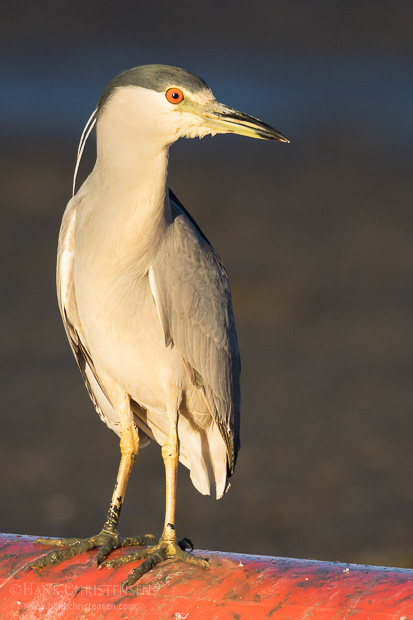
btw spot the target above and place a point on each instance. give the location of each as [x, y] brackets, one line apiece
[235, 586]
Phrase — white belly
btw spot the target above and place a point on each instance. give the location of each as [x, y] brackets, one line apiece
[125, 339]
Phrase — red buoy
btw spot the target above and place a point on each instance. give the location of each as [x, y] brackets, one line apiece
[235, 586]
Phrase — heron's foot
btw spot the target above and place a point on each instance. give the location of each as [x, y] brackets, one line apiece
[106, 541]
[164, 550]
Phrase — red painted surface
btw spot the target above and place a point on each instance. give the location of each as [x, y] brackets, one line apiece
[233, 587]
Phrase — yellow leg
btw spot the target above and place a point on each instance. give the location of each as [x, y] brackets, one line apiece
[108, 538]
[167, 548]
[129, 449]
[170, 459]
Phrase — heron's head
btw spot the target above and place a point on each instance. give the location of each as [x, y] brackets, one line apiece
[161, 104]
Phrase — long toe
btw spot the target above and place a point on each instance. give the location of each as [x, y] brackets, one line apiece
[138, 541]
[57, 542]
[55, 557]
[107, 544]
[105, 541]
[135, 556]
[154, 556]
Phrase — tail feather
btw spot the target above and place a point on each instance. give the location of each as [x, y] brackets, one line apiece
[202, 451]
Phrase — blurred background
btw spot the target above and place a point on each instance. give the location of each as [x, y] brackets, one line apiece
[317, 239]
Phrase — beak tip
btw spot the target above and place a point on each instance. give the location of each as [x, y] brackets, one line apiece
[280, 138]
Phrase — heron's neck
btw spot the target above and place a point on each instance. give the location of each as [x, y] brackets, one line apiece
[131, 176]
[132, 171]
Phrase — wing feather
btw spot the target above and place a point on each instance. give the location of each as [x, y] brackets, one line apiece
[192, 294]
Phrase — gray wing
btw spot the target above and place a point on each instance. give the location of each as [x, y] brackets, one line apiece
[194, 304]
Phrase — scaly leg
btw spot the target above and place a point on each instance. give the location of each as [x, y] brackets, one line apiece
[108, 538]
[167, 548]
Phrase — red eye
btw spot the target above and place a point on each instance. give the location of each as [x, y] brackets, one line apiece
[174, 95]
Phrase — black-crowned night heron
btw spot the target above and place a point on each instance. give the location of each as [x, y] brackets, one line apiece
[146, 303]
